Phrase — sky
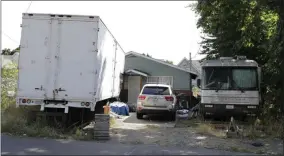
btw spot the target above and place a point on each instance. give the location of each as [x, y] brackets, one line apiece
[163, 29]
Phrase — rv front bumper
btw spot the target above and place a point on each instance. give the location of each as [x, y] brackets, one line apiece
[230, 109]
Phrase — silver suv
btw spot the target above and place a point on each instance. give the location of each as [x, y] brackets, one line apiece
[155, 99]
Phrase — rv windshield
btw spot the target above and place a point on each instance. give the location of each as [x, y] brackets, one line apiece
[229, 78]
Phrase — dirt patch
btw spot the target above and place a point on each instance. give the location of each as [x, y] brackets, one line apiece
[189, 136]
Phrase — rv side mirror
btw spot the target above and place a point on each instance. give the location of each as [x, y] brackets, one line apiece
[198, 83]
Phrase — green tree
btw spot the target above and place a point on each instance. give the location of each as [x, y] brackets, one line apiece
[252, 28]
[147, 55]
[170, 62]
[7, 51]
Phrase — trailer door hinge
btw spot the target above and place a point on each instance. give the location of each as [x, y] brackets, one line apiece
[96, 29]
[41, 88]
[93, 93]
[23, 26]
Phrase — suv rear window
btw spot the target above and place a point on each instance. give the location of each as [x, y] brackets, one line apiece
[156, 90]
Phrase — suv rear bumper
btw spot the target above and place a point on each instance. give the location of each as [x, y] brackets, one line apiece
[154, 110]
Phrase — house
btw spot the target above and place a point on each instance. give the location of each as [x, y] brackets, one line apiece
[141, 69]
[195, 67]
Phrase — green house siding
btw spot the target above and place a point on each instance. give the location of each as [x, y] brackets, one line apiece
[181, 79]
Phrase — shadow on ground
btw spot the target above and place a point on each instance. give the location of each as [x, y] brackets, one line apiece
[148, 119]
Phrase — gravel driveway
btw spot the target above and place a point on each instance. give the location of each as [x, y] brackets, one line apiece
[160, 131]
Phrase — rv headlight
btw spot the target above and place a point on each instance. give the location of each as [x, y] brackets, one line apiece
[252, 107]
[209, 106]
[87, 104]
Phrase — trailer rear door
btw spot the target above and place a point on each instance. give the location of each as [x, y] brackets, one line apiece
[76, 69]
[36, 63]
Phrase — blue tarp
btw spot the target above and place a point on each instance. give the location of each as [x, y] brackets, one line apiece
[119, 108]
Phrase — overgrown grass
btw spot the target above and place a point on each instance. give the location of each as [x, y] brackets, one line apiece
[152, 126]
[208, 129]
[271, 128]
[79, 134]
[259, 129]
[15, 121]
[112, 121]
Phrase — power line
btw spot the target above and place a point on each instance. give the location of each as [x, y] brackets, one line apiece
[29, 6]
[10, 38]
[199, 49]
[196, 53]
[8, 35]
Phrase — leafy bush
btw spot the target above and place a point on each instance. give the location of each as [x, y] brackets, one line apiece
[9, 84]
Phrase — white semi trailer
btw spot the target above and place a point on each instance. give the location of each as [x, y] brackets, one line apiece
[67, 61]
[230, 87]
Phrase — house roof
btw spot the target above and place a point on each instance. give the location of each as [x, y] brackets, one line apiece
[136, 72]
[184, 59]
[131, 53]
[195, 64]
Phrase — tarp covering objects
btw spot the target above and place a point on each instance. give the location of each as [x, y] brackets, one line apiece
[119, 108]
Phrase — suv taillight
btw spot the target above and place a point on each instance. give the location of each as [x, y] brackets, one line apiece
[169, 98]
[141, 97]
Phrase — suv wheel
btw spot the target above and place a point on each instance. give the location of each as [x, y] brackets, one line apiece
[139, 115]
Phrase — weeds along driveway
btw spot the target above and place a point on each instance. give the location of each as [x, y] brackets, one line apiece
[162, 132]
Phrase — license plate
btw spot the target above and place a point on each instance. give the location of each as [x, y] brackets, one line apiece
[38, 102]
[229, 106]
[155, 99]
